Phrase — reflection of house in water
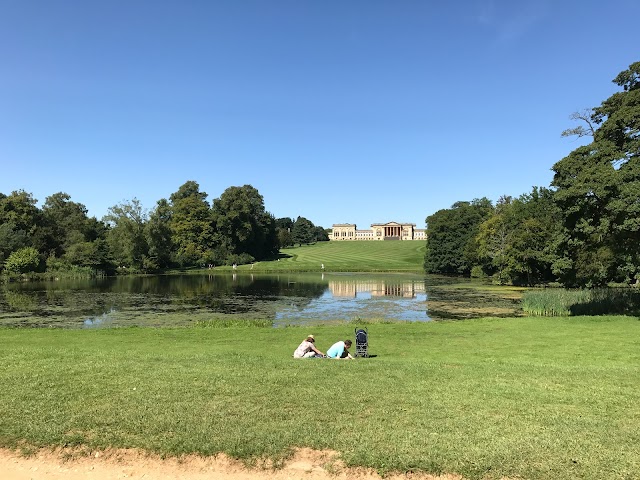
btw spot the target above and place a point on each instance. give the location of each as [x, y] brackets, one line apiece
[377, 288]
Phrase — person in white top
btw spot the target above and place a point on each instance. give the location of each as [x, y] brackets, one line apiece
[307, 349]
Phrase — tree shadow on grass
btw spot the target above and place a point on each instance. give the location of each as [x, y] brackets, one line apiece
[609, 301]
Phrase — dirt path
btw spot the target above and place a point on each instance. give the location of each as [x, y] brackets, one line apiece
[306, 464]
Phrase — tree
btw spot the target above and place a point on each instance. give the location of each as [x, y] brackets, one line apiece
[320, 234]
[66, 223]
[303, 231]
[597, 190]
[244, 224]
[126, 237]
[517, 243]
[284, 223]
[451, 237]
[283, 231]
[493, 238]
[586, 116]
[192, 226]
[11, 239]
[158, 234]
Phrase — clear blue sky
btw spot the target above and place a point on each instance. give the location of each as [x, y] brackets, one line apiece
[336, 110]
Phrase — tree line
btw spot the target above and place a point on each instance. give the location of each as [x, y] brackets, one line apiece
[184, 230]
[583, 231]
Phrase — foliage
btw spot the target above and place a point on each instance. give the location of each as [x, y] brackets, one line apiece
[234, 322]
[191, 223]
[552, 302]
[600, 301]
[23, 260]
[11, 239]
[451, 237]
[517, 242]
[320, 234]
[598, 186]
[157, 232]
[240, 217]
[19, 220]
[283, 231]
[126, 237]
[303, 231]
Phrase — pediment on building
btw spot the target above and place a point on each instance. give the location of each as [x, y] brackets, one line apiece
[391, 224]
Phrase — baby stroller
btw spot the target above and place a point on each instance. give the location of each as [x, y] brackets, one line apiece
[362, 342]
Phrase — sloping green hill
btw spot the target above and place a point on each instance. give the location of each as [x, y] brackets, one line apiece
[355, 256]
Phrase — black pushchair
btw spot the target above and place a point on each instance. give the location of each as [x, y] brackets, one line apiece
[362, 342]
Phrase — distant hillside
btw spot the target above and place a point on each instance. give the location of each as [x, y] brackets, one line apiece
[354, 256]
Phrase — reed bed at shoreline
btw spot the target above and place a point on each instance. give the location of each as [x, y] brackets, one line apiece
[531, 398]
[564, 302]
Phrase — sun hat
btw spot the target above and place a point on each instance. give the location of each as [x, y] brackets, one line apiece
[310, 336]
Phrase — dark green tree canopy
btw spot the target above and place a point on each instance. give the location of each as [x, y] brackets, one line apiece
[192, 226]
[241, 218]
[303, 231]
[597, 190]
[451, 235]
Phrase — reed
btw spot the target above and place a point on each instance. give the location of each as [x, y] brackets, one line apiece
[233, 322]
[562, 302]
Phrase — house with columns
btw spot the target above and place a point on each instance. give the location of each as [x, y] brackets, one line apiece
[378, 231]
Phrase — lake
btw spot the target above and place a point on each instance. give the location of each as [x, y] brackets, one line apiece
[285, 299]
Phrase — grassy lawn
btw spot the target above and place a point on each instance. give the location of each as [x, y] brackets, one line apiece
[533, 398]
[356, 256]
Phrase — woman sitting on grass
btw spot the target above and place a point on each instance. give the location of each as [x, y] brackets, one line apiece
[340, 350]
[307, 349]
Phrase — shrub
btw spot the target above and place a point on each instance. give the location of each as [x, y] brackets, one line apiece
[477, 272]
[22, 261]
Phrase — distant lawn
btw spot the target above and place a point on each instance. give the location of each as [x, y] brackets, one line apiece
[356, 256]
[530, 398]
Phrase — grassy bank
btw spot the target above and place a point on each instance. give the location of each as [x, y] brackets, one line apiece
[533, 398]
[356, 256]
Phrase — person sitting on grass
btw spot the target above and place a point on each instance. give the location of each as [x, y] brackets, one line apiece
[340, 350]
[307, 349]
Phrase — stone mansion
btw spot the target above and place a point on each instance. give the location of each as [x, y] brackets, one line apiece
[379, 231]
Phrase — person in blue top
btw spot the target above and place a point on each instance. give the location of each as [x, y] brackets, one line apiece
[340, 350]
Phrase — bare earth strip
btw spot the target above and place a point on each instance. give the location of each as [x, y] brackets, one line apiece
[306, 464]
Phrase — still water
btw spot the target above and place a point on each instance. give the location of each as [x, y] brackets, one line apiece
[285, 299]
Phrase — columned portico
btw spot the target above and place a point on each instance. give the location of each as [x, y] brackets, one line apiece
[392, 231]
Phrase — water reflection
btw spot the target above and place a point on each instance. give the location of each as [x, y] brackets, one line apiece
[184, 299]
[376, 287]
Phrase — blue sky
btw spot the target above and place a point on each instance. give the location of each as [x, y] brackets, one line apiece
[342, 111]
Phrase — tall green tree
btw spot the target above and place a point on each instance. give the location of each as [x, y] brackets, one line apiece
[284, 226]
[243, 223]
[451, 237]
[192, 225]
[494, 238]
[158, 234]
[303, 232]
[20, 224]
[66, 223]
[126, 236]
[597, 190]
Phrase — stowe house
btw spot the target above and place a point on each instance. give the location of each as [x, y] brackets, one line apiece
[379, 231]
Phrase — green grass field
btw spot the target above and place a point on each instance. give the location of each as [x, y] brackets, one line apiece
[356, 256]
[532, 398]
